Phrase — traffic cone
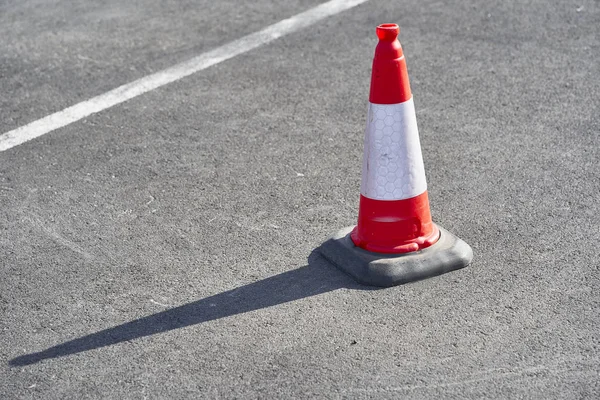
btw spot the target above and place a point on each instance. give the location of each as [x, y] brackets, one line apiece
[395, 240]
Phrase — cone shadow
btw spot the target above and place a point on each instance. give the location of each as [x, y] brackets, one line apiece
[315, 278]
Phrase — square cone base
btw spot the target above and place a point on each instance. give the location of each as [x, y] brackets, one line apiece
[449, 253]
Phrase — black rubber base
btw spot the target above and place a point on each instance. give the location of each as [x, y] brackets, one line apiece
[449, 253]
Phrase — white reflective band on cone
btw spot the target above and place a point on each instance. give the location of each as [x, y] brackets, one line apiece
[392, 161]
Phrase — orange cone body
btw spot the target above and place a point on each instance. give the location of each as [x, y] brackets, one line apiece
[394, 215]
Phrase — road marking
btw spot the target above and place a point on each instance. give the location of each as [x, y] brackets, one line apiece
[150, 82]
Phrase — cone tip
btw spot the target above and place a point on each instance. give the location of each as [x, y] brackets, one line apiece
[388, 32]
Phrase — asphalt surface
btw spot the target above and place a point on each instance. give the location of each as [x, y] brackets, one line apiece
[165, 248]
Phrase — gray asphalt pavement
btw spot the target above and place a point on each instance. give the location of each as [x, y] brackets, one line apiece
[165, 247]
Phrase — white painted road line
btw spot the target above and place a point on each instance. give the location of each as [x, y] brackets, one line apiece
[150, 82]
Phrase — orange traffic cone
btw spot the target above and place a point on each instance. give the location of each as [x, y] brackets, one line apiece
[395, 240]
